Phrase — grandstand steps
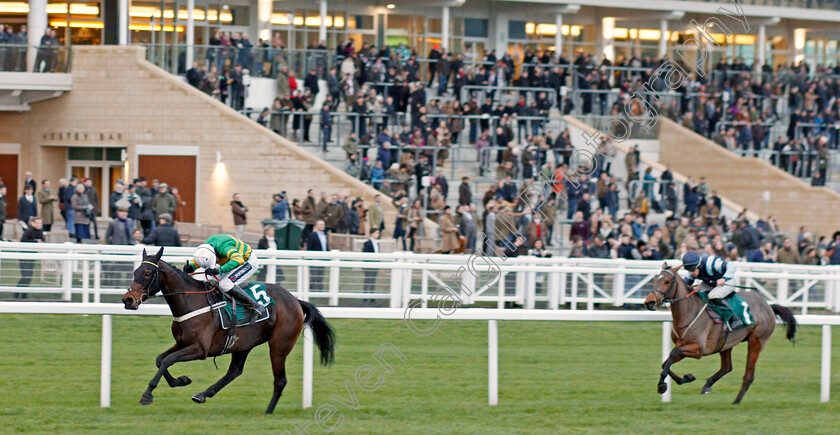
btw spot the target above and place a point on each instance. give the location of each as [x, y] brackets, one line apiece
[793, 202]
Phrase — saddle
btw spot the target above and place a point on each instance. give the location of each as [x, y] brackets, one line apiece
[232, 316]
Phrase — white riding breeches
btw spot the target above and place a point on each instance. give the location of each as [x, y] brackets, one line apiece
[239, 275]
[721, 292]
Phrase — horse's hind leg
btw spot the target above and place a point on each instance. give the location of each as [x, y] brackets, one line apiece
[755, 346]
[172, 381]
[725, 367]
[237, 364]
[278, 366]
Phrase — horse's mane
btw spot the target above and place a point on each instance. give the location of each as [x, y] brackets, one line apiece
[189, 278]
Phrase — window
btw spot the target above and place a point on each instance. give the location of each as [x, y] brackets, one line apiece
[516, 30]
[475, 27]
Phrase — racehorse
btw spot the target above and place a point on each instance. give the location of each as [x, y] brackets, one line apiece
[696, 335]
[198, 332]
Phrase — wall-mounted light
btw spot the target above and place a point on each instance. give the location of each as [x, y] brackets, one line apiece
[390, 6]
[218, 157]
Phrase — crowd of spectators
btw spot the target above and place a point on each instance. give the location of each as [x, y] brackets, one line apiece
[138, 212]
[13, 49]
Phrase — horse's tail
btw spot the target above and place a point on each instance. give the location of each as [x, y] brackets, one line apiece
[787, 318]
[324, 333]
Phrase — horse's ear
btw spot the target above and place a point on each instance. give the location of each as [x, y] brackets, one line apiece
[144, 253]
[677, 268]
[159, 254]
[664, 265]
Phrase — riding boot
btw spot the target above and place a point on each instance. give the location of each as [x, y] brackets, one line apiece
[243, 298]
[728, 315]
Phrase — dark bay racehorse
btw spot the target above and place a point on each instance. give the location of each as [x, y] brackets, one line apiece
[199, 334]
[696, 335]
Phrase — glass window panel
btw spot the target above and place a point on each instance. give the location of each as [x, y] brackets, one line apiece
[113, 154]
[434, 25]
[457, 25]
[84, 153]
[516, 29]
[475, 27]
[400, 22]
[360, 22]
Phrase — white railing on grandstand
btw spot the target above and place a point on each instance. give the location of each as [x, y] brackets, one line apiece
[491, 316]
[77, 270]
[72, 270]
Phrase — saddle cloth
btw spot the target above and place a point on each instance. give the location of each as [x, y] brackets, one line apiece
[243, 315]
[739, 305]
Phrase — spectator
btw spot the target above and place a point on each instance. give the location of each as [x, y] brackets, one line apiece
[47, 199]
[178, 215]
[82, 211]
[317, 241]
[578, 250]
[308, 214]
[399, 223]
[536, 230]
[372, 246]
[415, 222]
[539, 250]
[116, 195]
[27, 206]
[335, 215]
[164, 202]
[280, 207]
[164, 233]
[34, 234]
[449, 232]
[787, 254]
[29, 181]
[119, 231]
[93, 197]
[832, 250]
[240, 218]
[465, 192]
[147, 214]
[580, 227]
[598, 249]
[322, 207]
[374, 214]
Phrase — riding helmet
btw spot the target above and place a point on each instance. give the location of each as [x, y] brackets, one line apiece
[691, 260]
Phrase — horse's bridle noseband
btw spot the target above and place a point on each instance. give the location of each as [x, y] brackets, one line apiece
[672, 286]
[151, 286]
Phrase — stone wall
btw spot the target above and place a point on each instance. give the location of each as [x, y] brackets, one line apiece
[120, 99]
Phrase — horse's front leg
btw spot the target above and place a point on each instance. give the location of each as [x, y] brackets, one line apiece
[189, 353]
[692, 350]
[171, 380]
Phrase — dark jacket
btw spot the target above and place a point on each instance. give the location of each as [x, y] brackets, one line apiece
[27, 209]
[464, 194]
[163, 235]
[313, 243]
[368, 247]
[32, 235]
[239, 210]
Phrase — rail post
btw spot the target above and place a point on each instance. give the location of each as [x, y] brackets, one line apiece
[666, 351]
[308, 352]
[105, 377]
[825, 368]
[493, 362]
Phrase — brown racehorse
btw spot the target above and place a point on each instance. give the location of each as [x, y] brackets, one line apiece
[696, 335]
[202, 336]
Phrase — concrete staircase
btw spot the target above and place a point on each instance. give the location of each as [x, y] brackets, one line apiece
[793, 202]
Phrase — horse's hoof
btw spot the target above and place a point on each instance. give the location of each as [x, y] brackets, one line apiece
[706, 390]
[199, 398]
[662, 388]
[688, 378]
[184, 381]
[146, 399]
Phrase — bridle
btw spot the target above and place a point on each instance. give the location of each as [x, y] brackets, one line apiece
[672, 288]
[151, 286]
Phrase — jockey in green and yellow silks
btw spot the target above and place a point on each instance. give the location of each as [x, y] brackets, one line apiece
[231, 261]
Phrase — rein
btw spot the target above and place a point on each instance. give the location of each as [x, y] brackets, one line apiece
[666, 298]
[152, 286]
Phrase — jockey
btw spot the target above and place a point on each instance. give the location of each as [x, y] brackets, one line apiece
[714, 272]
[232, 259]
